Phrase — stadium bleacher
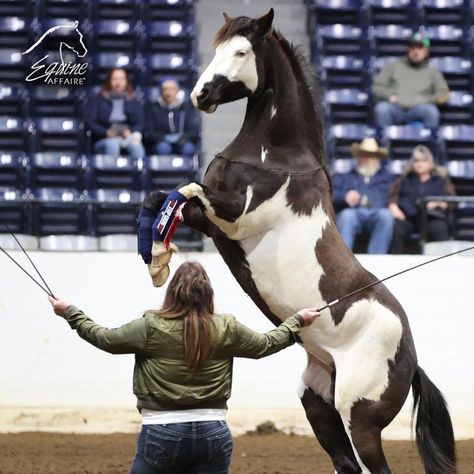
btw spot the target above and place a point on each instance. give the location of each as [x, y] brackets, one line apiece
[50, 183]
[44, 145]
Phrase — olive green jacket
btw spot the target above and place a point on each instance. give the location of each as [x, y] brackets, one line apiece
[161, 378]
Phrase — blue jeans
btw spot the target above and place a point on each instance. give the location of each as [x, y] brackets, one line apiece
[112, 146]
[378, 223]
[203, 447]
[386, 114]
[165, 148]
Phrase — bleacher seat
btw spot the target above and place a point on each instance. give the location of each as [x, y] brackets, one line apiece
[116, 35]
[13, 134]
[401, 139]
[163, 65]
[446, 40]
[462, 175]
[333, 40]
[343, 72]
[443, 12]
[116, 9]
[342, 165]
[13, 100]
[62, 134]
[110, 172]
[103, 62]
[397, 167]
[392, 12]
[167, 172]
[178, 10]
[13, 169]
[13, 66]
[340, 138]
[14, 211]
[59, 211]
[458, 142]
[457, 72]
[76, 9]
[464, 221]
[57, 169]
[170, 36]
[18, 8]
[330, 12]
[15, 33]
[115, 211]
[458, 110]
[347, 106]
[55, 101]
[389, 40]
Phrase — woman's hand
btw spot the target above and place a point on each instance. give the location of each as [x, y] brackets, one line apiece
[436, 204]
[397, 212]
[309, 315]
[59, 306]
[111, 133]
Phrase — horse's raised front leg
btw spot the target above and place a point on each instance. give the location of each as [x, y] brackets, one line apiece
[223, 208]
[316, 393]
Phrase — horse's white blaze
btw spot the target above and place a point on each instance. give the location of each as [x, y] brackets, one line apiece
[273, 112]
[231, 62]
[263, 154]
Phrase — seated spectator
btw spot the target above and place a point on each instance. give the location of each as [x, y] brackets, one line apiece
[171, 122]
[115, 117]
[409, 89]
[361, 197]
[406, 199]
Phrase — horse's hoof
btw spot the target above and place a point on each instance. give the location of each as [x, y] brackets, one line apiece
[159, 275]
[161, 256]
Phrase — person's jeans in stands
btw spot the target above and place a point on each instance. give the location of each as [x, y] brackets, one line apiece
[376, 222]
[165, 148]
[112, 146]
[198, 447]
[386, 114]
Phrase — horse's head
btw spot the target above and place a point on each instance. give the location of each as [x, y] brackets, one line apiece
[77, 44]
[235, 70]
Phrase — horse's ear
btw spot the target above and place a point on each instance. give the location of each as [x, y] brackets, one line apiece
[264, 23]
[76, 24]
[226, 17]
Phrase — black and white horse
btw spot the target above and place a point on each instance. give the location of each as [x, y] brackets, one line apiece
[266, 202]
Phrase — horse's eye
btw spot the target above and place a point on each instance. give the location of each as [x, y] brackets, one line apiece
[241, 54]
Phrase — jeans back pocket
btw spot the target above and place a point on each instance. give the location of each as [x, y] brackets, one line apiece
[161, 449]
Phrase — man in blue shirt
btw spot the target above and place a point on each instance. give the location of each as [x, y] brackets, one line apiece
[361, 198]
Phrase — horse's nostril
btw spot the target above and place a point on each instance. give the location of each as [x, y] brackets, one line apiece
[204, 94]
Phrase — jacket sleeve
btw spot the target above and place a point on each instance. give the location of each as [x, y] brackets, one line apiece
[136, 121]
[382, 87]
[151, 127]
[339, 191]
[254, 345]
[440, 89]
[191, 125]
[131, 338]
[92, 118]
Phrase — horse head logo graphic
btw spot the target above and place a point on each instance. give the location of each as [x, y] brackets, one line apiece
[75, 42]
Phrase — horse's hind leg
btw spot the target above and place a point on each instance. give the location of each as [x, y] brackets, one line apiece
[317, 397]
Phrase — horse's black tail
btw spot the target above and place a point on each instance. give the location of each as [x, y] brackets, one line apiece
[434, 430]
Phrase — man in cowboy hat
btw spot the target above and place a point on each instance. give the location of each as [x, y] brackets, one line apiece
[409, 89]
[361, 198]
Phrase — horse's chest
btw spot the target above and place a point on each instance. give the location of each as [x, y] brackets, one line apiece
[283, 262]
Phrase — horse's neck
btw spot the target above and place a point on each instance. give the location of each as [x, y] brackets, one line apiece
[280, 117]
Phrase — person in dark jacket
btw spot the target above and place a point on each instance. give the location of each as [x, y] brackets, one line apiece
[360, 198]
[115, 117]
[183, 371]
[171, 122]
[407, 195]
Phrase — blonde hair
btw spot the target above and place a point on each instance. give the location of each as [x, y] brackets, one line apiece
[423, 150]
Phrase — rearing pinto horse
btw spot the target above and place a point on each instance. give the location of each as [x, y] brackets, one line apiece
[266, 203]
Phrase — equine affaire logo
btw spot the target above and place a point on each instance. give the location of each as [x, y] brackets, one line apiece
[63, 72]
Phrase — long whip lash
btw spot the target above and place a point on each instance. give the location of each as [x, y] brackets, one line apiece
[332, 303]
[48, 291]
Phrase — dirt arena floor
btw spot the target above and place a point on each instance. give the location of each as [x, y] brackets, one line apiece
[276, 453]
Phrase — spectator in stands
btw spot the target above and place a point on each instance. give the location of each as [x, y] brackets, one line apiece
[115, 117]
[361, 198]
[406, 199]
[183, 370]
[409, 89]
[171, 122]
